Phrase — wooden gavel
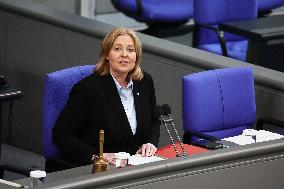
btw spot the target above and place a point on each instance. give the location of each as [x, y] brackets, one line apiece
[100, 164]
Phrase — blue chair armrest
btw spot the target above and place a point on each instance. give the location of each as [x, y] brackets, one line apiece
[188, 135]
[220, 36]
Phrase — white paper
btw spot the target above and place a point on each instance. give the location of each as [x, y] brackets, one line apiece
[138, 159]
[260, 136]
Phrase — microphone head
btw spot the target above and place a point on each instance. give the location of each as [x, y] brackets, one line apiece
[167, 109]
[158, 112]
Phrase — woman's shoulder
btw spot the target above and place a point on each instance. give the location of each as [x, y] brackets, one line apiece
[87, 79]
[146, 77]
[90, 81]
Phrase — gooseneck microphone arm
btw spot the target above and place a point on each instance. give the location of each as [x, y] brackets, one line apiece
[164, 121]
[166, 118]
[179, 140]
[159, 113]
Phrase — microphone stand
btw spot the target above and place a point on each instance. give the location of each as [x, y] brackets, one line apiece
[165, 119]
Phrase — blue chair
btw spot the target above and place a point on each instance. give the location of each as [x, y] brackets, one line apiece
[217, 103]
[156, 11]
[56, 91]
[265, 7]
[208, 14]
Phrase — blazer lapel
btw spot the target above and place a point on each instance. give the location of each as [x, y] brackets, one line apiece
[117, 107]
[138, 106]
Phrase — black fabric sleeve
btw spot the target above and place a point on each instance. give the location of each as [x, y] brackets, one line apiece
[154, 135]
[69, 125]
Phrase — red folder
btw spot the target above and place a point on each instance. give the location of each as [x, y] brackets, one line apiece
[169, 151]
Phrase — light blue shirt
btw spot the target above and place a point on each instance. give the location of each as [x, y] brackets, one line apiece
[127, 99]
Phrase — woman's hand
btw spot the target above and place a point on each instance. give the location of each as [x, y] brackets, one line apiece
[111, 159]
[147, 150]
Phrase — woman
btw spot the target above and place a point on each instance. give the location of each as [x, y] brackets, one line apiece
[118, 98]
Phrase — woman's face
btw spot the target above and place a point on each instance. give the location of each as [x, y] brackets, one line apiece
[122, 56]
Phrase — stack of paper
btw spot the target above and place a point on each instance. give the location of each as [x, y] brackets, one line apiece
[240, 139]
[263, 135]
[138, 159]
[250, 136]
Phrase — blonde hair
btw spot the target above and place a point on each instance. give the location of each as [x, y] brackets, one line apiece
[102, 67]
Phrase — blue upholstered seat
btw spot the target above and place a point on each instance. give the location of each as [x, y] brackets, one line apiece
[235, 49]
[156, 11]
[211, 13]
[57, 87]
[219, 103]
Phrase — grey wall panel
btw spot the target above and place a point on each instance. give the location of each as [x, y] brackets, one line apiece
[3, 42]
[270, 102]
[104, 7]
[71, 6]
[46, 48]
[2, 56]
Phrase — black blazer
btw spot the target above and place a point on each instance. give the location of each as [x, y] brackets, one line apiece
[94, 104]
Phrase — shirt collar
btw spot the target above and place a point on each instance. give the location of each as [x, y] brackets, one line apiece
[118, 86]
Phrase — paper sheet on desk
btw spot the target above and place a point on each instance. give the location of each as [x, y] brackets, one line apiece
[240, 139]
[260, 136]
[138, 159]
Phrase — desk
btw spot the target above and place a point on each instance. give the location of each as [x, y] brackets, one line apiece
[266, 40]
[7, 94]
[198, 171]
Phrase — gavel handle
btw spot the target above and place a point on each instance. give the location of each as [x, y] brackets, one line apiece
[101, 143]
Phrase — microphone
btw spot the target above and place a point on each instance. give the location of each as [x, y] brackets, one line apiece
[165, 119]
[167, 109]
[158, 112]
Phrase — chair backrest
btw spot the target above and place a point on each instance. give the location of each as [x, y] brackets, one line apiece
[156, 11]
[267, 5]
[219, 102]
[215, 12]
[56, 91]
